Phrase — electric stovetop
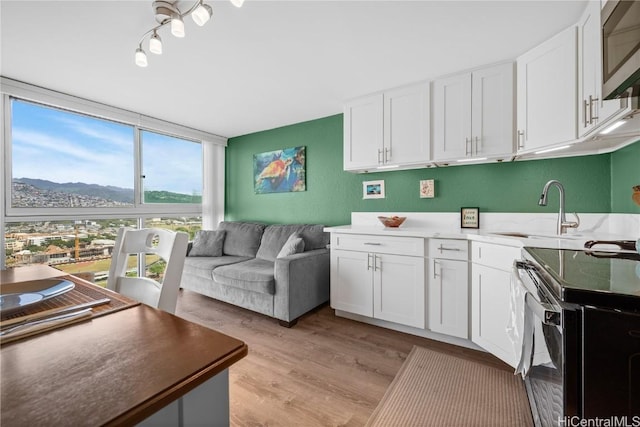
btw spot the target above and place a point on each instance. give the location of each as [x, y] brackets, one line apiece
[600, 279]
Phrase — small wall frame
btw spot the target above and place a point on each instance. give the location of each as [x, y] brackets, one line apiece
[373, 189]
[469, 217]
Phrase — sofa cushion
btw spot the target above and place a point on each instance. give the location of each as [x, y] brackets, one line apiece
[242, 238]
[293, 245]
[208, 243]
[275, 236]
[253, 275]
[203, 266]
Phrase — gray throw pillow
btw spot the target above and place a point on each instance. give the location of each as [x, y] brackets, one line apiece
[208, 243]
[293, 245]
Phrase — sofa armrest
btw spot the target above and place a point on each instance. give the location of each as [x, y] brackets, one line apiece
[302, 283]
[189, 246]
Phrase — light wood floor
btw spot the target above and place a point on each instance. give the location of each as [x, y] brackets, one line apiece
[325, 371]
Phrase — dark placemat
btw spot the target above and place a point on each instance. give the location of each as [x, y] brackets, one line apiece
[83, 292]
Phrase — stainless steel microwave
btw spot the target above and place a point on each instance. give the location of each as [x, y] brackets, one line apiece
[620, 48]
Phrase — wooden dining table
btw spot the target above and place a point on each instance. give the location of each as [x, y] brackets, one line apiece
[132, 365]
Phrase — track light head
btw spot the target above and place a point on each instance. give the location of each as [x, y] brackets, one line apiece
[141, 57]
[177, 26]
[155, 44]
[202, 14]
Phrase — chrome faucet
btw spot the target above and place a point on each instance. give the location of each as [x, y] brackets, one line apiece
[563, 224]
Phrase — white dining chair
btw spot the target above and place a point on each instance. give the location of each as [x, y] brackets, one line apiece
[169, 245]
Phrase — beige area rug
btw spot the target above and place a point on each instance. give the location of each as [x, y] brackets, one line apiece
[437, 389]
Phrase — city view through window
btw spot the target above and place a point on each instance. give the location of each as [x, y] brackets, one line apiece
[83, 247]
[63, 163]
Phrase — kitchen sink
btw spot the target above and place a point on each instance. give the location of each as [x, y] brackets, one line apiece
[522, 235]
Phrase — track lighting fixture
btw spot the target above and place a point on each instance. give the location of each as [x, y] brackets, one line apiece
[167, 13]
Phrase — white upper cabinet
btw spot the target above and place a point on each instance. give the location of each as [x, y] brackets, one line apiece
[546, 93]
[363, 125]
[593, 109]
[406, 125]
[473, 114]
[388, 129]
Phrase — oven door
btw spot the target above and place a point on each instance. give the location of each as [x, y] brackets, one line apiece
[541, 352]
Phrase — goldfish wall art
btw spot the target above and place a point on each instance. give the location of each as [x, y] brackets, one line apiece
[280, 171]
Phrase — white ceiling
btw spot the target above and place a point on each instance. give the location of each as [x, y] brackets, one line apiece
[269, 63]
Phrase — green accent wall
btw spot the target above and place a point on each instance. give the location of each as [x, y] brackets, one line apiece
[593, 184]
[625, 174]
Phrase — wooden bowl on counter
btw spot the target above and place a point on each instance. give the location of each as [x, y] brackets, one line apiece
[392, 221]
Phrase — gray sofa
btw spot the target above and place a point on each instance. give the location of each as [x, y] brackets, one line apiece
[278, 270]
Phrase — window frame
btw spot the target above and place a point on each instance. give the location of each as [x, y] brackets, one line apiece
[212, 148]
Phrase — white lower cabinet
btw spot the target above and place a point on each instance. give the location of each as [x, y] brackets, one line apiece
[491, 298]
[351, 282]
[368, 280]
[398, 289]
[449, 287]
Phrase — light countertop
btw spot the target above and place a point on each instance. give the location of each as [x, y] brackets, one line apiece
[535, 239]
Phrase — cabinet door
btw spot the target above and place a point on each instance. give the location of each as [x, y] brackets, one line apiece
[490, 308]
[452, 117]
[449, 298]
[363, 122]
[593, 109]
[399, 289]
[547, 107]
[406, 125]
[351, 282]
[588, 62]
[492, 112]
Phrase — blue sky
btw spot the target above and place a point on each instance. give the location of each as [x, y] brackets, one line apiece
[61, 147]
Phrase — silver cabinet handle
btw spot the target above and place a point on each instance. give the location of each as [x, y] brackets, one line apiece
[476, 141]
[435, 263]
[375, 262]
[442, 248]
[372, 244]
[379, 156]
[521, 138]
[387, 154]
[466, 145]
[584, 113]
[368, 261]
[592, 118]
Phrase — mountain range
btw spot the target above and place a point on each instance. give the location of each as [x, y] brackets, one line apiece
[109, 192]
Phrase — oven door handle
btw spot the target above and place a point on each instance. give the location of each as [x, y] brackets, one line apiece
[543, 311]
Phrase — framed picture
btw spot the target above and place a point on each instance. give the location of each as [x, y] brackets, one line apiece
[373, 189]
[427, 189]
[470, 218]
[280, 171]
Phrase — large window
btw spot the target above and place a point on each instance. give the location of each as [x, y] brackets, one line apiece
[62, 159]
[74, 171]
[67, 160]
[84, 247]
[171, 169]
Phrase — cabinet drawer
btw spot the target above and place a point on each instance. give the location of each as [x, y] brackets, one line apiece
[449, 249]
[382, 244]
[496, 256]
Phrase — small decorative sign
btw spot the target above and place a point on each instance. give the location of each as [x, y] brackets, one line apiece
[373, 189]
[427, 189]
[470, 217]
